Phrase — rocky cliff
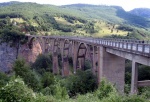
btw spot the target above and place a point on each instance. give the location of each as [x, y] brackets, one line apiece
[8, 54]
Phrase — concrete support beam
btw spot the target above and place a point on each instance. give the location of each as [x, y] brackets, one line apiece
[134, 80]
[144, 83]
[112, 68]
[94, 59]
[55, 63]
[65, 70]
[75, 46]
[99, 74]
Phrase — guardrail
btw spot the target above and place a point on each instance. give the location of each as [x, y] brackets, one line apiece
[131, 45]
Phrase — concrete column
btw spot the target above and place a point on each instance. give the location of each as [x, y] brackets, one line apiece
[81, 59]
[65, 70]
[112, 68]
[75, 56]
[55, 63]
[134, 79]
[94, 61]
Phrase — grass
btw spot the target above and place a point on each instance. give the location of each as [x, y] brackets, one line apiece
[62, 20]
[105, 29]
[19, 20]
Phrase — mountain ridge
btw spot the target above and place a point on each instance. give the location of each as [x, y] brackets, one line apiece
[143, 12]
[83, 19]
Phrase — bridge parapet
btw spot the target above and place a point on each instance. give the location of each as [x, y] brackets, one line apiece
[129, 45]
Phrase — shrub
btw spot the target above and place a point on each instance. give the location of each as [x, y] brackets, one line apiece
[60, 92]
[43, 63]
[16, 91]
[47, 79]
[80, 83]
[87, 98]
[42, 98]
[134, 98]
[48, 90]
[24, 71]
[104, 90]
[3, 79]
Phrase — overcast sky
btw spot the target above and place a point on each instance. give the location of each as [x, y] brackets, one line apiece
[126, 4]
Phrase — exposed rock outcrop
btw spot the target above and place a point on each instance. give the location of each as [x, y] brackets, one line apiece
[8, 54]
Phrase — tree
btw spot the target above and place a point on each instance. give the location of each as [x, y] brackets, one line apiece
[23, 70]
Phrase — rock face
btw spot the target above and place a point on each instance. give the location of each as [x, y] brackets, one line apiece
[30, 55]
[7, 57]
[8, 54]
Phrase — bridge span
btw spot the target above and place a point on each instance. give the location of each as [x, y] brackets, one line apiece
[106, 55]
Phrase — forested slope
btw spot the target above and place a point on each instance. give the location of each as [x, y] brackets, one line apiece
[74, 20]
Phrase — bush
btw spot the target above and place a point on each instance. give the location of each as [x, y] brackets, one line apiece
[104, 90]
[48, 90]
[47, 79]
[87, 98]
[43, 63]
[42, 98]
[3, 79]
[24, 71]
[80, 83]
[134, 98]
[16, 91]
[60, 92]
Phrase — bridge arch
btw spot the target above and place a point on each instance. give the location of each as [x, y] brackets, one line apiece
[81, 54]
[66, 48]
[65, 57]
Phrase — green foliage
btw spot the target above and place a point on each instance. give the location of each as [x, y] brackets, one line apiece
[16, 91]
[43, 63]
[87, 98]
[3, 79]
[50, 90]
[47, 79]
[60, 92]
[87, 65]
[43, 98]
[80, 83]
[134, 98]
[9, 33]
[145, 91]
[104, 90]
[24, 71]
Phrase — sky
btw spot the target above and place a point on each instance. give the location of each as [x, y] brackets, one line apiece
[126, 4]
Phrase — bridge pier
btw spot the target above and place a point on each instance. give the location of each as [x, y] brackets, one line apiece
[55, 57]
[65, 46]
[94, 59]
[65, 70]
[74, 50]
[55, 63]
[134, 79]
[112, 68]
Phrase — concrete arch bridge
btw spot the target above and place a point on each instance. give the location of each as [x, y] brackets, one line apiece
[107, 56]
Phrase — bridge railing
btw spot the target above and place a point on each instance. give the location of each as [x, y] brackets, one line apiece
[135, 46]
[131, 45]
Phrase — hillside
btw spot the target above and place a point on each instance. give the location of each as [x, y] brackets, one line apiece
[77, 19]
[143, 12]
[9, 3]
[113, 14]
